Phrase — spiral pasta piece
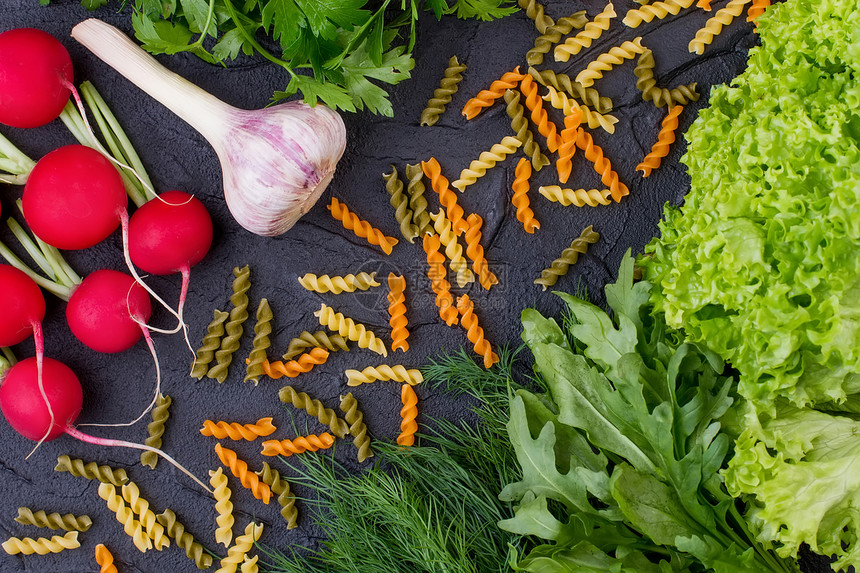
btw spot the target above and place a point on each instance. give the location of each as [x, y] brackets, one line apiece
[281, 488]
[442, 95]
[475, 252]
[42, 545]
[193, 549]
[539, 116]
[400, 201]
[235, 431]
[67, 522]
[262, 342]
[437, 274]
[408, 416]
[704, 5]
[521, 127]
[714, 26]
[338, 284]
[647, 84]
[360, 227]
[520, 198]
[474, 332]
[247, 478]
[223, 507]
[592, 31]
[154, 530]
[293, 368]
[658, 10]
[578, 197]
[563, 83]
[488, 97]
[756, 9]
[211, 342]
[569, 256]
[535, 11]
[560, 100]
[553, 35]
[453, 249]
[249, 565]
[234, 327]
[486, 160]
[357, 428]
[91, 470]
[132, 527]
[665, 139]
[384, 372]
[616, 55]
[155, 429]
[350, 329]
[318, 339]
[572, 121]
[104, 558]
[315, 408]
[240, 548]
[397, 312]
[300, 445]
[417, 202]
[601, 165]
[447, 198]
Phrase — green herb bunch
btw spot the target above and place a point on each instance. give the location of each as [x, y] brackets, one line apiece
[336, 51]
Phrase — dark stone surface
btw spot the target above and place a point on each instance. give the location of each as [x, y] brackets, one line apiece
[118, 387]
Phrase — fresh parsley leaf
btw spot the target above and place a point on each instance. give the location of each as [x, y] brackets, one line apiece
[325, 16]
[285, 20]
[195, 12]
[93, 4]
[358, 67]
[230, 44]
[484, 9]
[313, 90]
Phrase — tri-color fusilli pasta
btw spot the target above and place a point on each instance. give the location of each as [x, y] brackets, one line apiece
[606, 61]
[299, 445]
[350, 329]
[247, 478]
[357, 428]
[384, 372]
[442, 95]
[261, 343]
[569, 256]
[486, 160]
[41, 545]
[315, 408]
[360, 227]
[592, 31]
[400, 201]
[338, 284]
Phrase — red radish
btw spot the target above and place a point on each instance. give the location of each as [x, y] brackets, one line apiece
[30, 415]
[35, 77]
[107, 310]
[23, 306]
[74, 198]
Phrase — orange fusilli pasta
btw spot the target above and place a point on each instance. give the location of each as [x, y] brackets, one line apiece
[292, 368]
[437, 274]
[408, 416]
[520, 198]
[539, 116]
[665, 139]
[300, 445]
[239, 468]
[397, 312]
[453, 211]
[488, 97]
[564, 163]
[601, 164]
[475, 252]
[756, 9]
[474, 332]
[105, 559]
[360, 227]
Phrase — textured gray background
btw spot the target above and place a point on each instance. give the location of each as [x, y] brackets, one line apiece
[117, 387]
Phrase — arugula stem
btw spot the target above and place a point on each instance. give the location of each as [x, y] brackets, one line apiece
[251, 40]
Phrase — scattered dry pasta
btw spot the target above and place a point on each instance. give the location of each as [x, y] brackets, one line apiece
[520, 198]
[91, 470]
[211, 343]
[104, 558]
[447, 198]
[657, 10]
[592, 31]
[601, 165]
[560, 100]
[154, 530]
[281, 488]
[704, 5]
[313, 407]
[235, 431]
[261, 343]
[474, 332]
[67, 522]
[521, 127]
[338, 284]
[553, 35]
[243, 544]
[578, 197]
[350, 329]
[714, 26]
[247, 478]
[408, 416]
[535, 11]
[223, 507]
[384, 372]
[665, 139]
[397, 312]
[160, 415]
[539, 116]
[564, 163]
[437, 274]
[756, 9]
[249, 565]
[442, 95]
[42, 545]
[193, 549]
[132, 527]
[563, 83]
[569, 256]
[293, 368]
[453, 249]
[417, 202]
[300, 445]
[475, 252]
[357, 428]
[647, 84]
[400, 201]
[234, 327]
[488, 97]
[486, 160]
[606, 61]
[318, 339]
[360, 227]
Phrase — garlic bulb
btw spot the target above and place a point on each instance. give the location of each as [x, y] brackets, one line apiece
[275, 161]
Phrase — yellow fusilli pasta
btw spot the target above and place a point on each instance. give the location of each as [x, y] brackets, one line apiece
[160, 415]
[521, 127]
[563, 83]
[261, 343]
[243, 544]
[247, 478]
[42, 545]
[560, 100]
[357, 428]
[486, 160]
[299, 445]
[223, 507]
[154, 530]
[193, 549]
[400, 201]
[327, 416]
[249, 565]
[578, 197]
[442, 95]
[281, 488]
[211, 343]
[318, 339]
[91, 470]
[657, 10]
[235, 431]
[408, 416]
[715, 25]
[453, 249]
[67, 522]
[606, 61]
[398, 373]
[552, 36]
[338, 284]
[569, 256]
[592, 31]
[132, 527]
[350, 329]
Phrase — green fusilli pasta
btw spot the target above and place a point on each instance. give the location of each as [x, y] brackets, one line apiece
[91, 470]
[400, 201]
[234, 328]
[262, 330]
[211, 343]
[67, 522]
[442, 95]
[160, 415]
[327, 416]
[417, 202]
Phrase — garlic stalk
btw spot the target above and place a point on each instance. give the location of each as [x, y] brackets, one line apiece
[276, 161]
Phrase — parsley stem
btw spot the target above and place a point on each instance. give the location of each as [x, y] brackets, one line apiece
[251, 40]
[205, 31]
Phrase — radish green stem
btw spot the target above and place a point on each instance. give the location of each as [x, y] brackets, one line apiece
[14, 162]
[10, 356]
[31, 247]
[75, 433]
[56, 289]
